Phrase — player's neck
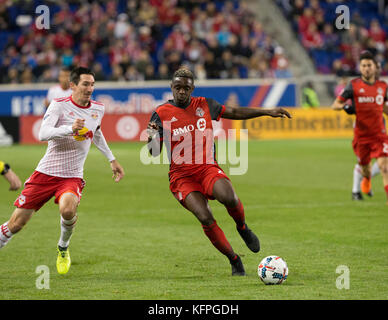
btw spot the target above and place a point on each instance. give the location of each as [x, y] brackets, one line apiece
[80, 102]
[184, 104]
[371, 80]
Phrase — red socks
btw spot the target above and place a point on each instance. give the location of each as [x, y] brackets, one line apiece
[218, 239]
[237, 213]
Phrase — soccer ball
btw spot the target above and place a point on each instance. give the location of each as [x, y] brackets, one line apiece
[272, 270]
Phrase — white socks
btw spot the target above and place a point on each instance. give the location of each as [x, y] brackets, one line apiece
[375, 169]
[5, 234]
[67, 227]
[357, 176]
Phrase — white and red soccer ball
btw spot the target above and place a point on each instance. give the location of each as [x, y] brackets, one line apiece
[272, 270]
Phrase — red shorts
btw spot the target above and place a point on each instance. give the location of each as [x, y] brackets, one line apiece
[40, 188]
[201, 179]
[366, 151]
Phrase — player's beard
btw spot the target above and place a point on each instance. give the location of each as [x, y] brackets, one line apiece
[368, 77]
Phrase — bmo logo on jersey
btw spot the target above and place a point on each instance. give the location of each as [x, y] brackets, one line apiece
[201, 126]
[379, 99]
[185, 129]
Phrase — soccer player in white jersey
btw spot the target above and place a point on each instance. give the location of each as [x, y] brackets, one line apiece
[70, 125]
[60, 90]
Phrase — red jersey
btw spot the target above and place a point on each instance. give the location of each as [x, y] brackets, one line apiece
[187, 132]
[368, 100]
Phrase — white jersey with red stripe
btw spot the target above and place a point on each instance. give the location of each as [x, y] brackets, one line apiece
[65, 156]
[57, 92]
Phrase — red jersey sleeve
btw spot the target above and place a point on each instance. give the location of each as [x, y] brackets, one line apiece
[216, 109]
[347, 93]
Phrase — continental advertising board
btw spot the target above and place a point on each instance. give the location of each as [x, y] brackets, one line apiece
[305, 124]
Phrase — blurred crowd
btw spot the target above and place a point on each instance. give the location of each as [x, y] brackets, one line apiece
[337, 50]
[134, 40]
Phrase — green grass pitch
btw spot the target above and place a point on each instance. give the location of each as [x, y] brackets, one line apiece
[134, 241]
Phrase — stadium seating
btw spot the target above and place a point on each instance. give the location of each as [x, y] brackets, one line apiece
[115, 34]
[368, 31]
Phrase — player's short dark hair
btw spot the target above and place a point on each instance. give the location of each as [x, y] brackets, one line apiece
[183, 73]
[368, 56]
[75, 74]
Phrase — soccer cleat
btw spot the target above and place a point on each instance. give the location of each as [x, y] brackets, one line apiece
[237, 267]
[370, 193]
[357, 196]
[63, 261]
[250, 239]
[366, 185]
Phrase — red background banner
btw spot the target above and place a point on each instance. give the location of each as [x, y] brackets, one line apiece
[124, 127]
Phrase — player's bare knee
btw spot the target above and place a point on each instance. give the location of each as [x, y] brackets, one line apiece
[229, 199]
[232, 201]
[68, 213]
[207, 221]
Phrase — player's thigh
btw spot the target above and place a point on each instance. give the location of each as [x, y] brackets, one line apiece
[197, 203]
[224, 192]
[363, 152]
[383, 165]
[19, 218]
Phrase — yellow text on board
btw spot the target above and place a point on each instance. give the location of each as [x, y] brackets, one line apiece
[310, 123]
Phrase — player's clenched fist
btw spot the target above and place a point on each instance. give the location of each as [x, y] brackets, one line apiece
[80, 133]
[78, 124]
[152, 129]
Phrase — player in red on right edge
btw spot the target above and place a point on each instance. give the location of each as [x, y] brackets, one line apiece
[369, 96]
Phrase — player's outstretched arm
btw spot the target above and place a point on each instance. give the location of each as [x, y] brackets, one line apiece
[13, 179]
[10, 176]
[242, 113]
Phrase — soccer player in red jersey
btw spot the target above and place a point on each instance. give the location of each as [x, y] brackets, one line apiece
[369, 96]
[185, 126]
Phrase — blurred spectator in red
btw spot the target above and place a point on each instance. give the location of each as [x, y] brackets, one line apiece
[376, 32]
[305, 20]
[63, 40]
[312, 38]
[179, 39]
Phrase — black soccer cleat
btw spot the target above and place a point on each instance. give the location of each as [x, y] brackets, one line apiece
[237, 267]
[370, 193]
[250, 239]
[357, 196]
